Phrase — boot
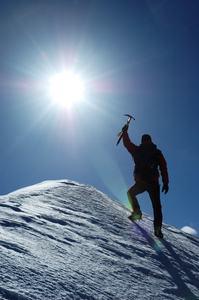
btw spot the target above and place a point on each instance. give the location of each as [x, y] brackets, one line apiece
[158, 232]
[135, 216]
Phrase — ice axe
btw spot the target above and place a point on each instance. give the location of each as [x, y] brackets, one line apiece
[120, 134]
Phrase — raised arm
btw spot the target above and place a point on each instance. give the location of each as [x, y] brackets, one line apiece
[127, 142]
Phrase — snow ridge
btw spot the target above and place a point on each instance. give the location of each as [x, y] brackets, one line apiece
[66, 240]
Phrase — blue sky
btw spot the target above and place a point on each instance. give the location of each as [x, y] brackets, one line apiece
[135, 57]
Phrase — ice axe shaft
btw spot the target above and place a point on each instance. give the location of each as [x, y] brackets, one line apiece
[128, 122]
[120, 134]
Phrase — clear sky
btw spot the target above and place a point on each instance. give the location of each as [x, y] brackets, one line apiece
[134, 57]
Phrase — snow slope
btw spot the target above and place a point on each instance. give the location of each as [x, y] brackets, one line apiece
[65, 240]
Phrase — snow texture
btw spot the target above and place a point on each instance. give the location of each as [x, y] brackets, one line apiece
[66, 240]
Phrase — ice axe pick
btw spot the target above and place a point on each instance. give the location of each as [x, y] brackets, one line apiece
[120, 134]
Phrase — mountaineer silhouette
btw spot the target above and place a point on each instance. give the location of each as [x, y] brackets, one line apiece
[148, 161]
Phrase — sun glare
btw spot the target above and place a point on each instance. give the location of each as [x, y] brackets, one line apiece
[66, 88]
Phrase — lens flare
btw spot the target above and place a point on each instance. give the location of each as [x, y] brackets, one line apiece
[141, 231]
[110, 173]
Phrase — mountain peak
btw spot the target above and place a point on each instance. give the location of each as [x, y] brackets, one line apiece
[66, 240]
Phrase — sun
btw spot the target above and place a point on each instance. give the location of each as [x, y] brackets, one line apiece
[66, 88]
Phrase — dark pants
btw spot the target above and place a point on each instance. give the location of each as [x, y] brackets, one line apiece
[153, 188]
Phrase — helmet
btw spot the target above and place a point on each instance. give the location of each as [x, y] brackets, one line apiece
[146, 138]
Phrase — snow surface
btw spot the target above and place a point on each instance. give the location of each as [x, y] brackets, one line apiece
[66, 240]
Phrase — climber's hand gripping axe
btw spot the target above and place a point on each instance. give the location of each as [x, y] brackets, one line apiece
[120, 134]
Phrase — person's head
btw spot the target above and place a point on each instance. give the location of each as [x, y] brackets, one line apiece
[146, 138]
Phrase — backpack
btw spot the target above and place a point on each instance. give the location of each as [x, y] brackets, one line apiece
[146, 158]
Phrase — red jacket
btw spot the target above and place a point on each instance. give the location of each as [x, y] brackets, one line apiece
[162, 162]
